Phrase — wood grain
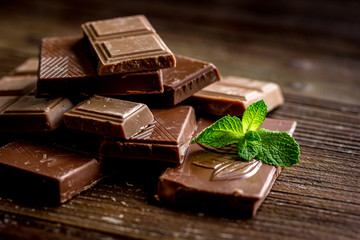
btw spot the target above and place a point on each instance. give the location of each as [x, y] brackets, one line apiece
[309, 47]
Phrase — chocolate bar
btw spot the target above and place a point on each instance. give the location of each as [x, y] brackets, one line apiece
[189, 76]
[218, 183]
[30, 114]
[17, 85]
[232, 95]
[167, 139]
[66, 70]
[29, 67]
[127, 44]
[37, 173]
[109, 116]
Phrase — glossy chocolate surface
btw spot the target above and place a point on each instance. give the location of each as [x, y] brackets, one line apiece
[188, 77]
[31, 114]
[127, 44]
[217, 183]
[167, 139]
[44, 174]
[232, 95]
[109, 116]
[65, 69]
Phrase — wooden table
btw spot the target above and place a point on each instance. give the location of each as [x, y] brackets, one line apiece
[310, 48]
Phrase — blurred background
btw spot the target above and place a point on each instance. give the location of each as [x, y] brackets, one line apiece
[309, 47]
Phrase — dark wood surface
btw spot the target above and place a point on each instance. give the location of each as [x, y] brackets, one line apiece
[311, 48]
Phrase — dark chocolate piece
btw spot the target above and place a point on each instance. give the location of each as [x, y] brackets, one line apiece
[65, 70]
[167, 139]
[217, 183]
[30, 114]
[109, 116]
[189, 76]
[232, 95]
[127, 44]
[42, 173]
[17, 85]
[77, 141]
[29, 67]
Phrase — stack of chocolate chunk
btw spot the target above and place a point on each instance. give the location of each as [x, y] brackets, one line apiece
[119, 92]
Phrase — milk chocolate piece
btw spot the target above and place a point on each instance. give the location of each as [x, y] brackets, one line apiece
[109, 116]
[232, 95]
[30, 114]
[189, 76]
[216, 183]
[65, 70]
[167, 139]
[17, 85]
[127, 44]
[42, 173]
[29, 67]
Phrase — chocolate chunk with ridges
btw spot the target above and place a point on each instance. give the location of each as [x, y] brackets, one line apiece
[232, 95]
[218, 183]
[65, 70]
[127, 44]
[109, 116]
[167, 139]
[41, 173]
[30, 114]
[188, 77]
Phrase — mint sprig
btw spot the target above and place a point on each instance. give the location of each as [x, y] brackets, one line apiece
[271, 147]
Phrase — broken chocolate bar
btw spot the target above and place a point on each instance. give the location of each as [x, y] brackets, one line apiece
[218, 183]
[167, 139]
[189, 76]
[30, 114]
[232, 95]
[66, 70]
[127, 44]
[44, 174]
[109, 116]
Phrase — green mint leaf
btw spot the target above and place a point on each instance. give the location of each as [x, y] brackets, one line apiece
[224, 131]
[252, 136]
[246, 149]
[254, 116]
[247, 146]
[277, 148]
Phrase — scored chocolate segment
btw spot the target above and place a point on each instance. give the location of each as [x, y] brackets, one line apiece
[17, 85]
[220, 183]
[42, 173]
[65, 70]
[117, 28]
[30, 114]
[167, 139]
[188, 77]
[127, 44]
[108, 116]
[232, 95]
